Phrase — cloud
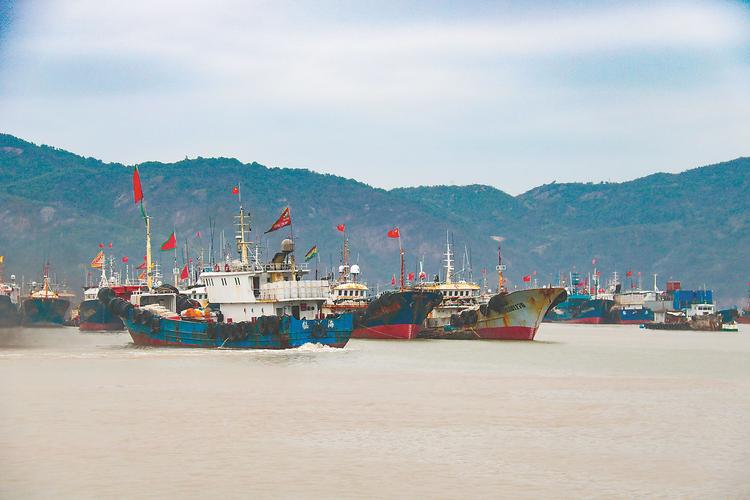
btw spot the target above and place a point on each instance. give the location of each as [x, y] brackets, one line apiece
[389, 93]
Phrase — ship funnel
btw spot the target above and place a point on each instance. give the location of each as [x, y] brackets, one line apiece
[287, 246]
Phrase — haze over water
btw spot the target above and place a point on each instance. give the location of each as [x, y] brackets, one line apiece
[583, 411]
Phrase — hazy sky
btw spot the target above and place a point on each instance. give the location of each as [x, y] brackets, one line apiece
[511, 94]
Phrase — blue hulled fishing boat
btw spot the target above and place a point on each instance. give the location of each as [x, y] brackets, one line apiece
[251, 304]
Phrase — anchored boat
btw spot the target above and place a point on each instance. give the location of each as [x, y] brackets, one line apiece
[45, 306]
[504, 316]
[9, 295]
[95, 316]
[396, 314]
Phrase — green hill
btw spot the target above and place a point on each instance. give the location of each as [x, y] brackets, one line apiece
[693, 226]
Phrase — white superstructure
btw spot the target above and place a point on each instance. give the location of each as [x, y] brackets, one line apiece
[248, 288]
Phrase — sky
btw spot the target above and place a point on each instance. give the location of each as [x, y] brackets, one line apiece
[392, 93]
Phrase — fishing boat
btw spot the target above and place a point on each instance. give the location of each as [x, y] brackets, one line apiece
[504, 316]
[9, 295]
[92, 314]
[690, 310]
[45, 305]
[396, 314]
[584, 304]
[629, 306]
[348, 292]
[457, 295]
[253, 304]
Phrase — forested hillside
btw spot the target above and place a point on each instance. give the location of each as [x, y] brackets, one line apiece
[694, 226]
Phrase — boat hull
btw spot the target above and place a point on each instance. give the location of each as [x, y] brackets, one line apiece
[636, 316]
[512, 316]
[396, 315]
[387, 332]
[580, 311]
[94, 316]
[37, 311]
[9, 315]
[516, 315]
[267, 332]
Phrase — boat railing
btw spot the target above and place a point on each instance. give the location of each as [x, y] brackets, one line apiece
[261, 268]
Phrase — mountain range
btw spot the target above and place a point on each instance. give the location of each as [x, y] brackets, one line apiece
[693, 226]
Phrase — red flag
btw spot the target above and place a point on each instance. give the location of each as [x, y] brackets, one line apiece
[423, 275]
[629, 274]
[110, 244]
[142, 266]
[593, 262]
[170, 244]
[198, 234]
[341, 227]
[393, 233]
[236, 190]
[285, 219]
[393, 280]
[125, 259]
[185, 273]
[527, 278]
[411, 276]
[137, 191]
[101, 245]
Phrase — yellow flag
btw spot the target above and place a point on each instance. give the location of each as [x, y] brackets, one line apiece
[2, 259]
[98, 261]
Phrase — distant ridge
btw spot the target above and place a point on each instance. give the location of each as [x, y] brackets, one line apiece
[694, 226]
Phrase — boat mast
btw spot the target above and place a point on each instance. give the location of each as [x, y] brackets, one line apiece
[149, 276]
[448, 260]
[500, 280]
[242, 242]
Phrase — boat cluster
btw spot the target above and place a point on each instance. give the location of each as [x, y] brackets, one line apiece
[252, 303]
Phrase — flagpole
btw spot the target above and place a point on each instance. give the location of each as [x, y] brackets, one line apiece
[401, 250]
[317, 262]
[291, 235]
[174, 268]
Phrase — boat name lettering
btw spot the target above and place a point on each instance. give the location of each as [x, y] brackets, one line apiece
[514, 307]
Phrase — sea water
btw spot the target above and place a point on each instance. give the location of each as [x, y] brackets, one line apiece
[583, 411]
